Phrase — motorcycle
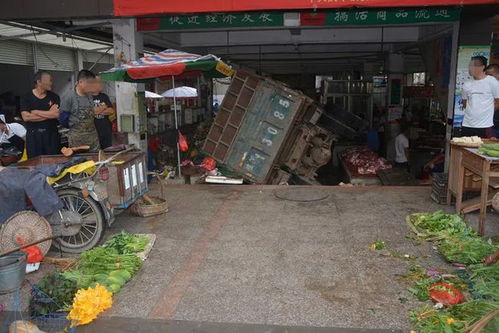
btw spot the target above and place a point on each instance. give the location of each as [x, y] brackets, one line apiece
[86, 207]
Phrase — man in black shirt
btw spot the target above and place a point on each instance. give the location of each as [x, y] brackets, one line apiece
[103, 109]
[40, 111]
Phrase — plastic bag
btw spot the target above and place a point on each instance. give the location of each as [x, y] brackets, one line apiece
[445, 293]
[182, 142]
[34, 253]
[208, 164]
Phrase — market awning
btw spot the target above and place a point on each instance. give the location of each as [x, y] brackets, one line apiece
[166, 64]
[148, 7]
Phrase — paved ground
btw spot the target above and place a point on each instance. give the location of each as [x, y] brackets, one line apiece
[240, 259]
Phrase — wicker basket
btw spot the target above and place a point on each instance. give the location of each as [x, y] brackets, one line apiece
[141, 208]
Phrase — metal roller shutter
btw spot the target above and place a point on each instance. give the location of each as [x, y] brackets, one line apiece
[53, 58]
[16, 53]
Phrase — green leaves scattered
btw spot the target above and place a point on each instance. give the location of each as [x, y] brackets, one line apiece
[437, 225]
[466, 249]
[125, 243]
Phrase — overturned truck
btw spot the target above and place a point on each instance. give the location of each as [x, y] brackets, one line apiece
[268, 133]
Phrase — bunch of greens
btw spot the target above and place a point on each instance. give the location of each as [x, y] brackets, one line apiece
[455, 318]
[125, 243]
[60, 289]
[102, 260]
[465, 249]
[106, 267]
[437, 225]
[485, 273]
[429, 320]
[472, 311]
[486, 281]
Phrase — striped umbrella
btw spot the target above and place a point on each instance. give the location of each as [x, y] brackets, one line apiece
[167, 64]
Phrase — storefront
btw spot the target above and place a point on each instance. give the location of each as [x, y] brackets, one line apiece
[360, 60]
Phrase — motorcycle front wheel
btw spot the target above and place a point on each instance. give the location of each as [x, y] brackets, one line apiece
[89, 231]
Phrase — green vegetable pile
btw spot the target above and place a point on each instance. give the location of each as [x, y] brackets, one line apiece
[104, 266]
[486, 281]
[420, 281]
[438, 225]
[458, 243]
[489, 149]
[466, 249]
[125, 243]
[57, 287]
[455, 318]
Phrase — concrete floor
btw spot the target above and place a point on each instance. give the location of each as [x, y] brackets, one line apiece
[240, 259]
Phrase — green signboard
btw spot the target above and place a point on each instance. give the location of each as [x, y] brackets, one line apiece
[392, 16]
[319, 18]
[203, 21]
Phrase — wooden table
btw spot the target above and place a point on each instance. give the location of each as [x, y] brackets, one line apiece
[481, 166]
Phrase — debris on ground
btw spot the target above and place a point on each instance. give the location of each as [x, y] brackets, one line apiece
[469, 295]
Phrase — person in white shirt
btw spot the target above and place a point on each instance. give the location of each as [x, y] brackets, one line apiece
[402, 148]
[12, 134]
[480, 99]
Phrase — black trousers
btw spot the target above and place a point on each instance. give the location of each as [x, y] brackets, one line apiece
[43, 142]
[470, 131]
[105, 131]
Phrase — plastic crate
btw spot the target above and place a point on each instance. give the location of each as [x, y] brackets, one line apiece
[439, 188]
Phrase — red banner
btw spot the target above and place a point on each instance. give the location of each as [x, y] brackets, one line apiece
[148, 7]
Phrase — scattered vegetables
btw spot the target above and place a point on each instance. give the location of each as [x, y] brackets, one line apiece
[486, 281]
[473, 311]
[465, 249]
[420, 280]
[430, 320]
[378, 245]
[485, 273]
[454, 319]
[126, 243]
[458, 243]
[88, 304]
[437, 225]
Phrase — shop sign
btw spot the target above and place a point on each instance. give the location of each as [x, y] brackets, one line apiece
[392, 16]
[273, 19]
[462, 75]
[212, 20]
[151, 7]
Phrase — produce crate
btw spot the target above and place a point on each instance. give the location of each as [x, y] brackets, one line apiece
[439, 188]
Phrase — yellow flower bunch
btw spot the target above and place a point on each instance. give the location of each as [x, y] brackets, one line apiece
[89, 303]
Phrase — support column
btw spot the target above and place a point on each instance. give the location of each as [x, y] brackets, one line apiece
[395, 78]
[130, 100]
[451, 94]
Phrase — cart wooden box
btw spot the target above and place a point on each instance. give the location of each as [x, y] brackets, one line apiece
[127, 176]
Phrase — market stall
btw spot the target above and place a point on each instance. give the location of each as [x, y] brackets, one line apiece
[169, 65]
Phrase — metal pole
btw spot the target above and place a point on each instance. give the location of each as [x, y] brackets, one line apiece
[451, 93]
[176, 126]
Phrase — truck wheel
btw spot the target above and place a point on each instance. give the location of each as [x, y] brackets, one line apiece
[87, 233]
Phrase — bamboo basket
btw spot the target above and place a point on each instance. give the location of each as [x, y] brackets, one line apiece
[141, 208]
